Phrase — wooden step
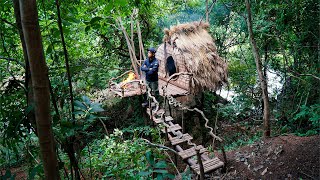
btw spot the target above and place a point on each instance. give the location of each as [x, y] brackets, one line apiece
[191, 152]
[174, 127]
[178, 140]
[169, 118]
[209, 165]
[159, 112]
[159, 120]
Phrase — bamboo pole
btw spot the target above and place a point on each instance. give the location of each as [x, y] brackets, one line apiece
[133, 58]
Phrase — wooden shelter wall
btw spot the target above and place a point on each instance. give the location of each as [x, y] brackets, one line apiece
[183, 81]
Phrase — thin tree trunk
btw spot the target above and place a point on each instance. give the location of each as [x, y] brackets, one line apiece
[28, 81]
[263, 82]
[207, 11]
[39, 74]
[70, 150]
[66, 57]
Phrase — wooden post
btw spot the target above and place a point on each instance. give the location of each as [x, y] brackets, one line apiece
[166, 131]
[170, 112]
[224, 155]
[182, 123]
[200, 164]
[150, 109]
[164, 103]
[175, 159]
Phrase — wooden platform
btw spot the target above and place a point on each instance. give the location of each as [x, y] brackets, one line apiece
[129, 92]
[171, 90]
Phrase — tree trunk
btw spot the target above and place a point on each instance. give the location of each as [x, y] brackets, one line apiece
[207, 11]
[66, 58]
[39, 74]
[28, 81]
[263, 82]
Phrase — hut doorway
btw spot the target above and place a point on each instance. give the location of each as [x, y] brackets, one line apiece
[171, 66]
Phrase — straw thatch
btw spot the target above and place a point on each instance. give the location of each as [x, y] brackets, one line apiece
[195, 47]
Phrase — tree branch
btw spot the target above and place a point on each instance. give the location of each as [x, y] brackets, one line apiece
[13, 60]
[310, 75]
[13, 25]
[159, 146]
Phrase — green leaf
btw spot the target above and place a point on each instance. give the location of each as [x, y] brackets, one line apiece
[143, 173]
[122, 2]
[86, 100]
[49, 49]
[160, 164]
[160, 177]
[95, 19]
[150, 157]
[79, 112]
[80, 105]
[66, 124]
[55, 32]
[87, 28]
[170, 176]
[160, 171]
[96, 107]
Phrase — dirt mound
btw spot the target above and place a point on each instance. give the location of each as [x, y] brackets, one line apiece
[283, 157]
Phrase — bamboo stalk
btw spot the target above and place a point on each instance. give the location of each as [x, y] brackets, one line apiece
[132, 55]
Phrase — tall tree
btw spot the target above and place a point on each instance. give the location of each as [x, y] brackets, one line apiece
[263, 81]
[28, 80]
[66, 57]
[39, 74]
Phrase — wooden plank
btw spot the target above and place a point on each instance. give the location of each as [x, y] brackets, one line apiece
[183, 138]
[159, 112]
[209, 165]
[169, 118]
[159, 120]
[191, 152]
[174, 83]
[127, 93]
[172, 89]
[172, 128]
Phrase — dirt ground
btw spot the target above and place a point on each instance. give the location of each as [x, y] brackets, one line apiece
[282, 157]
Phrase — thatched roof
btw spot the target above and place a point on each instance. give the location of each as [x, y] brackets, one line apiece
[195, 46]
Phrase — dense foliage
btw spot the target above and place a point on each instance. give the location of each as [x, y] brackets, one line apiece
[287, 33]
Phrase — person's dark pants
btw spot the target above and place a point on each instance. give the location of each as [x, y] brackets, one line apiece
[154, 86]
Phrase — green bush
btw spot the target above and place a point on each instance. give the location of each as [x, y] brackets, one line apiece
[115, 157]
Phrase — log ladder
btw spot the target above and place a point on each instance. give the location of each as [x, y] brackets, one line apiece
[196, 157]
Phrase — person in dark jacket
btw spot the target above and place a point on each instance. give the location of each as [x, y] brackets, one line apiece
[150, 66]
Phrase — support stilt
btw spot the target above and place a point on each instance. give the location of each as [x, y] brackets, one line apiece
[200, 164]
